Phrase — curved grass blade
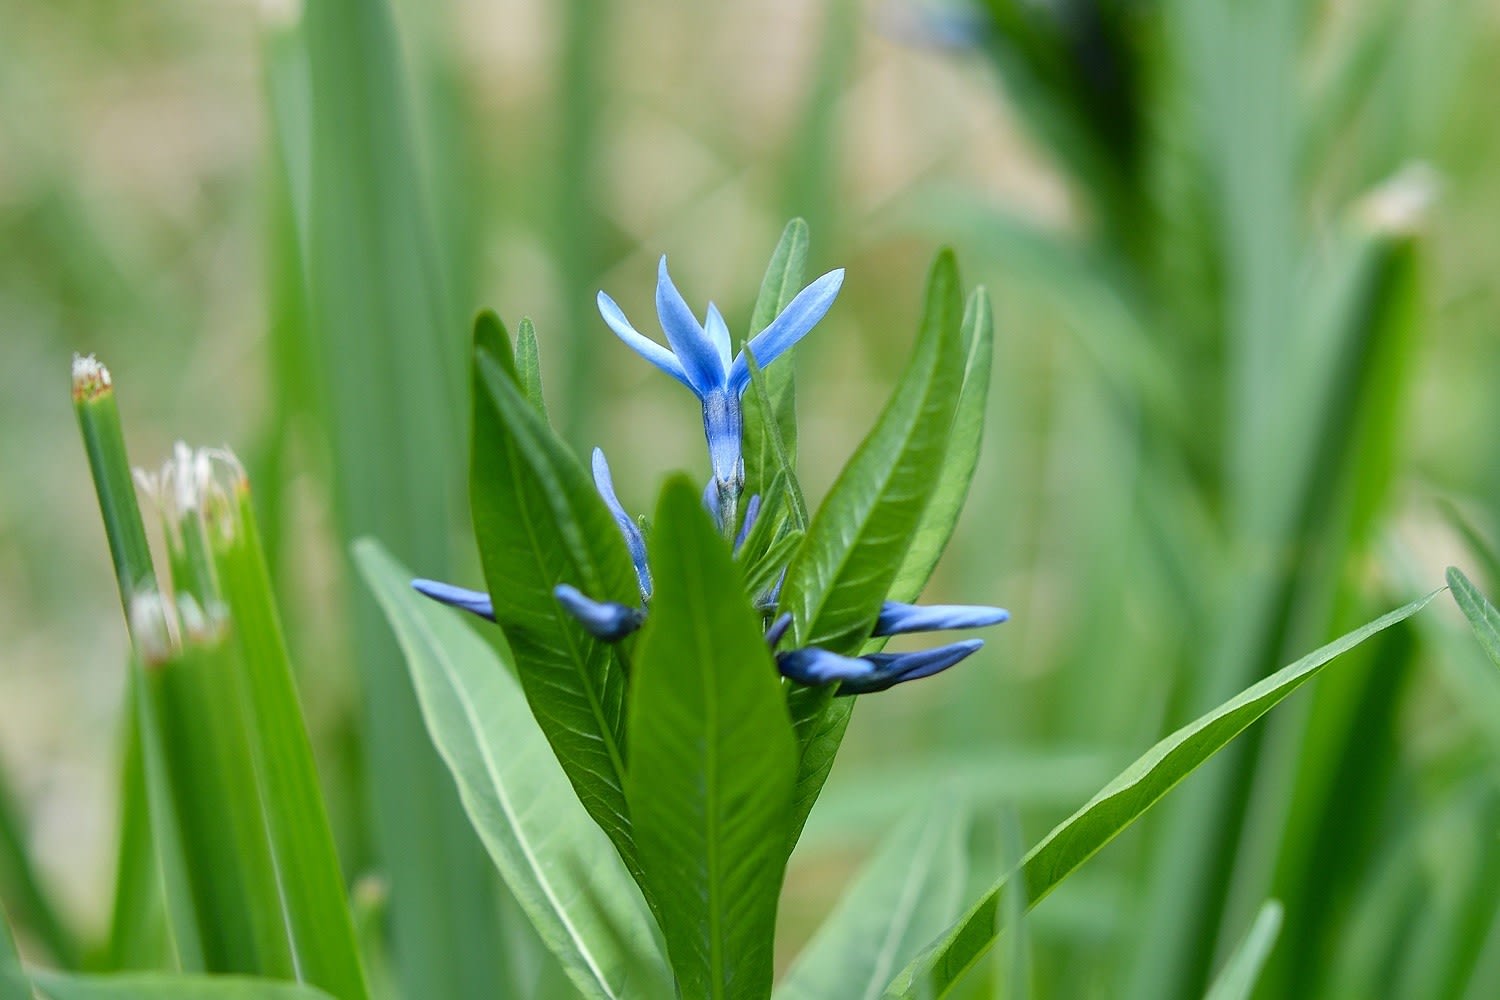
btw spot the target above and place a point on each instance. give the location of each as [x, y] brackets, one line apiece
[712, 760]
[1483, 618]
[309, 875]
[1240, 973]
[1116, 806]
[540, 522]
[909, 890]
[561, 868]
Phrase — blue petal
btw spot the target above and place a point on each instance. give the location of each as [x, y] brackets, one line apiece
[718, 335]
[814, 667]
[473, 601]
[605, 484]
[642, 345]
[898, 668]
[897, 618]
[603, 619]
[800, 316]
[778, 629]
[695, 352]
[752, 511]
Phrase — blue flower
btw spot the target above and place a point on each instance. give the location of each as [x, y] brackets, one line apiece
[875, 672]
[702, 358]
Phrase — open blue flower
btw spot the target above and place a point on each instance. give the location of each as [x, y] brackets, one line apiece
[702, 358]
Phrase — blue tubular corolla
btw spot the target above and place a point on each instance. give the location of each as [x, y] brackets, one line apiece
[475, 602]
[897, 618]
[604, 620]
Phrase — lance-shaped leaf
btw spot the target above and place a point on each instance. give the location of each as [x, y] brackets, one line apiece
[947, 500]
[540, 522]
[861, 534]
[1121, 802]
[712, 760]
[561, 868]
[907, 892]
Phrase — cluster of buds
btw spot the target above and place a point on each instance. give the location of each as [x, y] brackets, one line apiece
[702, 359]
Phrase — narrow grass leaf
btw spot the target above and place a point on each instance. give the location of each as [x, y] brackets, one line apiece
[562, 869]
[198, 720]
[1115, 807]
[1237, 979]
[308, 871]
[389, 361]
[540, 522]
[713, 760]
[137, 921]
[910, 890]
[1483, 618]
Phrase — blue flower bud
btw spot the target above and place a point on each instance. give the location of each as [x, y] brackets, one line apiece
[869, 674]
[602, 619]
[475, 602]
[897, 618]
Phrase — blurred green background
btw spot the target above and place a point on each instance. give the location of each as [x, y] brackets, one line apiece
[1242, 257]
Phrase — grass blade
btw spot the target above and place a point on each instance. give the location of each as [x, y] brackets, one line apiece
[296, 819]
[1116, 806]
[1238, 978]
[1483, 618]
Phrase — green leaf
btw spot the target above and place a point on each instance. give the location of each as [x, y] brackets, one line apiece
[21, 883]
[384, 305]
[1483, 618]
[208, 801]
[712, 759]
[561, 868]
[1237, 979]
[309, 875]
[539, 523]
[529, 366]
[910, 890]
[1116, 806]
[947, 500]
[170, 986]
[783, 280]
[782, 464]
[861, 534]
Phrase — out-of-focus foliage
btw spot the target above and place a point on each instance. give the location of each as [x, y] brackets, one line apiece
[1241, 259]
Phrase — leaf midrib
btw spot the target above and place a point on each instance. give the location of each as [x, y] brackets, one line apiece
[507, 806]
